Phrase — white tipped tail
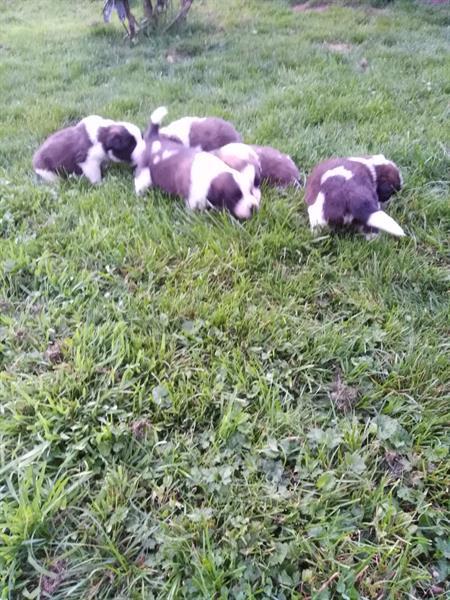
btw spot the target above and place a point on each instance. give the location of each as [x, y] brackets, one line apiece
[158, 115]
[383, 221]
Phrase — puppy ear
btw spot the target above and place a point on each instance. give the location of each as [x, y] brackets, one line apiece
[118, 141]
[385, 189]
[215, 193]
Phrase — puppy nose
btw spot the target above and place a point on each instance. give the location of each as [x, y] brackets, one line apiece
[253, 209]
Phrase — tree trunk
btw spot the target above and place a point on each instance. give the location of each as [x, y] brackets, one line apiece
[148, 9]
[185, 5]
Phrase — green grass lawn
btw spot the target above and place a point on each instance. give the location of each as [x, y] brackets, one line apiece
[196, 408]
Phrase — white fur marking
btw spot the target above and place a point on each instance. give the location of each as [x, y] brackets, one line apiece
[91, 167]
[249, 173]
[93, 124]
[379, 159]
[205, 167]
[156, 146]
[158, 115]
[251, 196]
[46, 175]
[240, 151]
[113, 158]
[381, 220]
[315, 212]
[336, 172]
[244, 208]
[367, 162]
[138, 151]
[181, 129]
[142, 181]
[156, 159]
[168, 153]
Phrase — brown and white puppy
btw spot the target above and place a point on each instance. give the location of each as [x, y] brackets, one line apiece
[82, 148]
[341, 191]
[203, 133]
[277, 169]
[244, 159]
[202, 179]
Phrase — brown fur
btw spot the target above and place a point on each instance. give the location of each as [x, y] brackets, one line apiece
[277, 168]
[63, 151]
[211, 133]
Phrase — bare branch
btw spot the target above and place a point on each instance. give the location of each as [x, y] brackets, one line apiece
[185, 6]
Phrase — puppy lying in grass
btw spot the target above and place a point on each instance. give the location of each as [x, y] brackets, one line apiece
[344, 191]
[200, 178]
[82, 148]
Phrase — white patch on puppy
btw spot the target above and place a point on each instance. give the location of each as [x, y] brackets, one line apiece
[337, 172]
[91, 170]
[204, 168]
[167, 154]
[142, 181]
[47, 175]
[180, 129]
[156, 146]
[368, 163]
[381, 220]
[315, 212]
[202, 133]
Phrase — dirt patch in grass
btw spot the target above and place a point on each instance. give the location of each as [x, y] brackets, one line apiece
[51, 583]
[308, 8]
[340, 48]
[343, 396]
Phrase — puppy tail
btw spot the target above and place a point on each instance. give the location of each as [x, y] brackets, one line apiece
[381, 220]
[156, 118]
[158, 115]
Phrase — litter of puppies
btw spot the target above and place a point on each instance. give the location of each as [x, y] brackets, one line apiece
[205, 161]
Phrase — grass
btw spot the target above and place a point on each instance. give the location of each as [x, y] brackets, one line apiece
[194, 408]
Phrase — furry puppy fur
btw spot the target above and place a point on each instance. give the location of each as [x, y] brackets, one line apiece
[201, 178]
[203, 133]
[341, 191]
[277, 169]
[82, 149]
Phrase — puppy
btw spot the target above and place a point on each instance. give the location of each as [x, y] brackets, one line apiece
[277, 169]
[82, 149]
[341, 191]
[202, 179]
[204, 133]
[244, 159]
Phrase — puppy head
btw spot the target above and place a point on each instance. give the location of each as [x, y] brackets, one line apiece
[122, 143]
[243, 158]
[387, 176]
[389, 180]
[231, 191]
